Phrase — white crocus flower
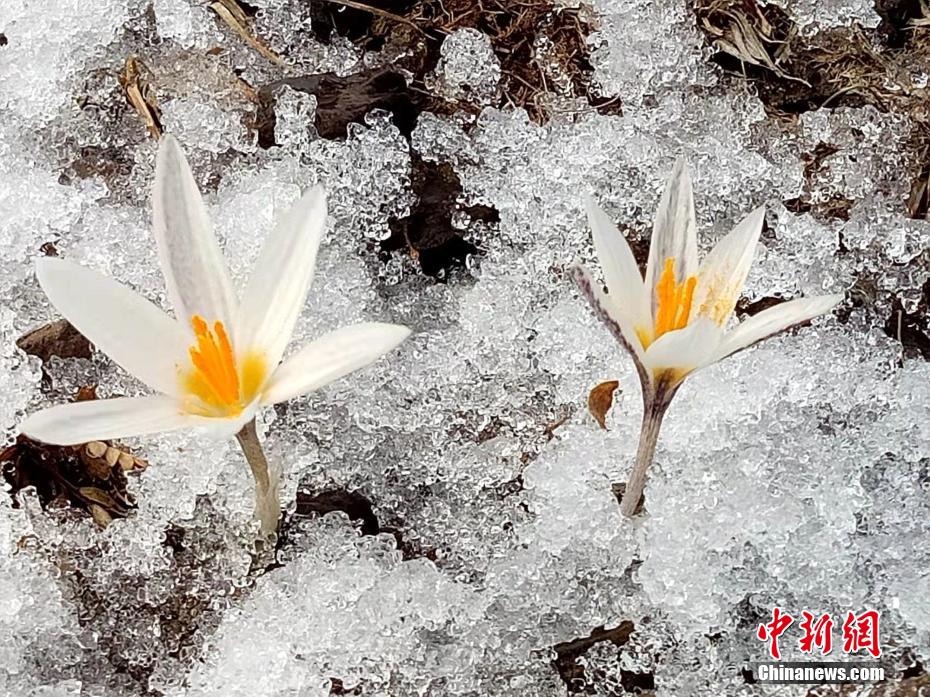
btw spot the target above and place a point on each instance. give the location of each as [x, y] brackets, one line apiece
[675, 321]
[219, 359]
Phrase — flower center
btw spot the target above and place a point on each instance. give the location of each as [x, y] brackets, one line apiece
[222, 387]
[674, 304]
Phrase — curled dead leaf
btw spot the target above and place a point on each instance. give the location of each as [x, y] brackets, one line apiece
[601, 399]
[94, 495]
[135, 81]
[93, 456]
[86, 475]
[86, 393]
[232, 14]
[100, 515]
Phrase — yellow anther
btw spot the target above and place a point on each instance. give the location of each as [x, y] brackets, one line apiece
[214, 378]
[673, 306]
[218, 383]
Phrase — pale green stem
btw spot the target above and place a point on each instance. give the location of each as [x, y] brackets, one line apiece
[267, 502]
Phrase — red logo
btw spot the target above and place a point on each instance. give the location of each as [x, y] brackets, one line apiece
[860, 632]
[774, 629]
[817, 633]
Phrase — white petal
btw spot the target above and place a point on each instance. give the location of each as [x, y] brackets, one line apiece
[195, 271]
[686, 349]
[622, 275]
[277, 289]
[331, 357]
[774, 320]
[674, 231]
[612, 315]
[723, 272]
[138, 336]
[104, 419]
[222, 428]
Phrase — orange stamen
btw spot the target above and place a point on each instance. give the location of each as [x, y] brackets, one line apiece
[225, 349]
[673, 306]
[218, 383]
[215, 378]
[685, 307]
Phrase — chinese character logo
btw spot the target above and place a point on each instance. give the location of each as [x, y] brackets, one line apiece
[817, 633]
[860, 632]
[774, 629]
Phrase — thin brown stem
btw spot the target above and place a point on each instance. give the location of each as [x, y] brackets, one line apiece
[655, 403]
[267, 502]
[377, 11]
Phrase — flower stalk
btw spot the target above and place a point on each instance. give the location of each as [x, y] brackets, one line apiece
[267, 499]
[655, 404]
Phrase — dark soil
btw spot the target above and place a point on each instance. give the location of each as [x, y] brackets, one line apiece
[55, 339]
[567, 654]
[416, 28]
[344, 100]
[360, 509]
[427, 233]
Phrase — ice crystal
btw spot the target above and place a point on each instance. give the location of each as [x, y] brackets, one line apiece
[793, 474]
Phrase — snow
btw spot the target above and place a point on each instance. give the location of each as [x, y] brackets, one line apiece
[793, 474]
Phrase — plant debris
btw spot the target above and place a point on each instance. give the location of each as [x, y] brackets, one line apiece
[55, 339]
[793, 73]
[136, 83]
[600, 400]
[236, 18]
[742, 31]
[90, 476]
[836, 67]
[542, 47]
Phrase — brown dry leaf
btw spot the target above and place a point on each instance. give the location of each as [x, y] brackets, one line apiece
[601, 400]
[100, 515]
[742, 31]
[139, 94]
[93, 455]
[93, 495]
[100, 458]
[95, 449]
[86, 393]
[128, 461]
[86, 475]
[55, 339]
[233, 16]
